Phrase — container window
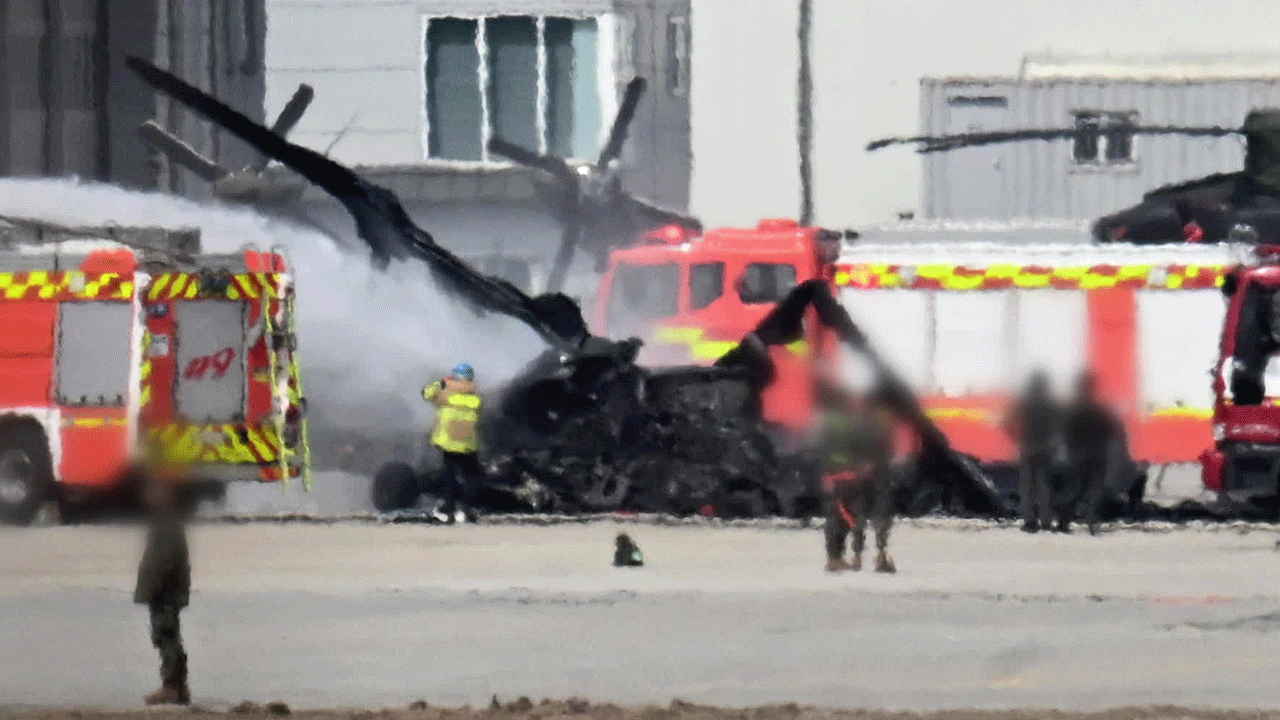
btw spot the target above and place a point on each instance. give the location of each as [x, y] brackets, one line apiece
[1104, 138]
[998, 101]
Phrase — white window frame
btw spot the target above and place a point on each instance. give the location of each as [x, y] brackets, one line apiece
[1100, 163]
[606, 83]
[678, 56]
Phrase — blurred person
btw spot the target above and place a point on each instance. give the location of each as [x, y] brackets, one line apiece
[1091, 433]
[1035, 423]
[856, 450]
[164, 573]
[455, 435]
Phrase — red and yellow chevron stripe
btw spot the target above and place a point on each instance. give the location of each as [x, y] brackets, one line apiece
[69, 285]
[173, 286]
[209, 444]
[1003, 277]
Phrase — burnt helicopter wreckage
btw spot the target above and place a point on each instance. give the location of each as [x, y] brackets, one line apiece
[586, 428]
[1205, 209]
[588, 200]
[270, 188]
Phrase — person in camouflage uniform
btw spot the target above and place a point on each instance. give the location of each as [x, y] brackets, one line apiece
[164, 574]
[1091, 433]
[1035, 422]
[857, 448]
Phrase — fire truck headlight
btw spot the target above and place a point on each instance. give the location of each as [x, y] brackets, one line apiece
[1219, 432]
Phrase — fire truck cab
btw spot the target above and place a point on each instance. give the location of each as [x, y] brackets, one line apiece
[693, 298]
[114, 332]
[1244, 463]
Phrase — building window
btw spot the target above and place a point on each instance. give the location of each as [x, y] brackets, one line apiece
[678, 55]
[1104, 138]
[531, 80]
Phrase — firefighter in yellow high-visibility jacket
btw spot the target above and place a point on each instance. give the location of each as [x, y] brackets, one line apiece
[455, 434]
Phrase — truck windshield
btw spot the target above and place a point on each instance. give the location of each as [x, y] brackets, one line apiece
[641, 294]
[1255, 344]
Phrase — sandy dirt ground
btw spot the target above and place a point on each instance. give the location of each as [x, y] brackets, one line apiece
[581, 709]
[374, 616]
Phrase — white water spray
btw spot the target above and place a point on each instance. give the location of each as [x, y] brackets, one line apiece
[368, 340]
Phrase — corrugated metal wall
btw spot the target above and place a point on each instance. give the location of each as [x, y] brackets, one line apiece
[51, 51]
[661, 131]
[68, 106]
[1039, 179]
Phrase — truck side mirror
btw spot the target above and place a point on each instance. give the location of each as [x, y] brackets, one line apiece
[1230, 282]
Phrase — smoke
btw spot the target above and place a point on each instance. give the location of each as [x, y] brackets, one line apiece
[368, 340]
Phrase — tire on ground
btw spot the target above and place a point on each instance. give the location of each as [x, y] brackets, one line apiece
[26, 471]
[395, 487]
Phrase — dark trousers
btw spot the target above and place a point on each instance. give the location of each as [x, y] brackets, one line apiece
[166, 636]
[858, 501]
[1035, 489]
[1082, 500]
[460, 478]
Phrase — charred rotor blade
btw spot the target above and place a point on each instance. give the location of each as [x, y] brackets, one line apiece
[651, 216]
[293, 110]
[180, 152]
[529, 158]
[942, 143]
[289, 117]
[564, 256]
[381, 220]
[622, 122]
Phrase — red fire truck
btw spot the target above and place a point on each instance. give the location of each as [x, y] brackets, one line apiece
[961, 321]
[673, 290]
[113, 332]
[1244, 462]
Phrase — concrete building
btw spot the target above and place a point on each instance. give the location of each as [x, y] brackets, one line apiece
[411, 90]
[68, 105]
[866, 63]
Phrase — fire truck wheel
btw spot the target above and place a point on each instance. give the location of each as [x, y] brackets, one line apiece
[26, 474]
[395, 487]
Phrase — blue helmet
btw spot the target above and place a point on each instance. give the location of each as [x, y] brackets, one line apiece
[464, 372]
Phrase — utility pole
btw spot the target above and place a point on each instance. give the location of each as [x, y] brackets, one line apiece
[804, 112]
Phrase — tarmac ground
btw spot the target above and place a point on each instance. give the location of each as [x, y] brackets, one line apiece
[363, 615]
